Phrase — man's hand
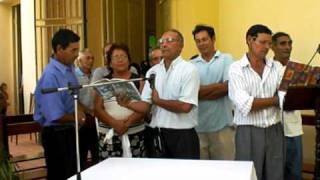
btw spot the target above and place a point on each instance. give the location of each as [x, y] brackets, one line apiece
[81, 117]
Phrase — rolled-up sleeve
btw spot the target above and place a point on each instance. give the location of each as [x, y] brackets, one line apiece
[237, 90]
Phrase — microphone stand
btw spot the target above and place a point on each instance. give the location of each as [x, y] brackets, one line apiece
[74, 89]
[78, 87]
[75, 93]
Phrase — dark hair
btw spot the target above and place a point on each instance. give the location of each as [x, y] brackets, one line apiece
[277, 35]
[254, 30]
[200, 27]
[178, 33]
[116, 46]
[64, 37]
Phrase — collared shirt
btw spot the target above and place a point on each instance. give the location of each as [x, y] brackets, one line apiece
[52, 106]
[99, 73]
[180, 82]
[214, 114]
[245, 85]
[85, 94]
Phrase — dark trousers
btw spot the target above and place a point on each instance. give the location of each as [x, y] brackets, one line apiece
[179, 143]
[88, 142]
[293, 169]
[60, 151]
[151, 142]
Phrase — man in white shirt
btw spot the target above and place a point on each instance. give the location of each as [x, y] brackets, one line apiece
[174, 99]
[282, 46]
[253, 86]
[215, 130]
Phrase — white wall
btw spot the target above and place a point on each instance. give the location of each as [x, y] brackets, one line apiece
[28, 49]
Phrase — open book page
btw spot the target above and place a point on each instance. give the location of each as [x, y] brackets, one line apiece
[298, 74]
[105, 90]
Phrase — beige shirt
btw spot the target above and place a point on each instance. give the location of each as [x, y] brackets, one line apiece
[292, 123]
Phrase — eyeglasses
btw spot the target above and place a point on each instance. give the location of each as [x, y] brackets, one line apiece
[167, 40]
[121, 57]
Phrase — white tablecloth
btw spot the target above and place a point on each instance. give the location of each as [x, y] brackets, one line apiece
[167, 169]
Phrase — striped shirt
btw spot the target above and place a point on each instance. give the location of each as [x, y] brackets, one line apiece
[245, 85]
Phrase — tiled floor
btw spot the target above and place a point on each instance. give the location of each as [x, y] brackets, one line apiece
[26, 146]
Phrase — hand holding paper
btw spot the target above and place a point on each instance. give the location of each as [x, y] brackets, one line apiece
[122, 98]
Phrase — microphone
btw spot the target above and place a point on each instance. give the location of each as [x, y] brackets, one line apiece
[69, 87]
[152, 80]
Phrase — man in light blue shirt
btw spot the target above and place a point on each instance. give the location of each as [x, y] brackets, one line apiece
[88, 132]
[55, 111]
[215, 112]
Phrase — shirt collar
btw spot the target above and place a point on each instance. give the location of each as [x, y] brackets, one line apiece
[215, 56]
[173, 63]
[244, 61]
[79, 72]
[61, 67]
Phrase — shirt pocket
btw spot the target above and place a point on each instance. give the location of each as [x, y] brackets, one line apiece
[172, 90]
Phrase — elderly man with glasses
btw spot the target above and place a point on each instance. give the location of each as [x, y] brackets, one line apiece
[174, 101]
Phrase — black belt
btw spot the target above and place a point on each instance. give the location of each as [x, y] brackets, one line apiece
[58, 127]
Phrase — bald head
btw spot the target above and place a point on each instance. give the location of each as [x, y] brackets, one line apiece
[155, 56]
[85, 60]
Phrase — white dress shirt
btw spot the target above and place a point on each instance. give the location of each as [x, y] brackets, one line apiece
[180, 82]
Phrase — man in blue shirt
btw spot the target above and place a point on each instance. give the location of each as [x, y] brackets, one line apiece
[55, 111]
[215, 113]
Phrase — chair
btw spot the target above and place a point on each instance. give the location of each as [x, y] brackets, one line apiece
[23, 124]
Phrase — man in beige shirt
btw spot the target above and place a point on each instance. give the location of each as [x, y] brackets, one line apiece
[282, 46]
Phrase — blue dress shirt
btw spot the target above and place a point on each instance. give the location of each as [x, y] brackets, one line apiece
[53, 106]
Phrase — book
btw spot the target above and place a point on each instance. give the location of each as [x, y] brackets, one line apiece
[298, 74]
[108, 87]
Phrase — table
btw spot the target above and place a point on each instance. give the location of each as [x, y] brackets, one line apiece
[162, 169]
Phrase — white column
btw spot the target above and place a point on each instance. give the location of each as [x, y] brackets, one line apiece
[28, 50]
